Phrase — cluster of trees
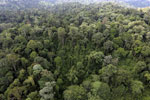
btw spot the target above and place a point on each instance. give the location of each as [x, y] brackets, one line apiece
[21, 4]
[76, 52]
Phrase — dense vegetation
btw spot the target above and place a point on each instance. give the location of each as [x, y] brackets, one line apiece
[19, 4]
[75, 52]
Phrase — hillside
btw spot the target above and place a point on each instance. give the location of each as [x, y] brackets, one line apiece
[75, 52]
[135, 3]
[24, 4]
[146, 9]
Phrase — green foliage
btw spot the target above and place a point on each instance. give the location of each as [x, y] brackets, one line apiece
[140, 66]
[37, 69]
[24, 62]
[58, 61]
[95, 58]
[75, 93]
[108, 46]
[75, 52]
[33, 55]
[100, 89]
[21, 75]
[46, 76]
[47, 92]
[34, 45]
[33, 96]
[120, 52]
[108, 73]
[43, 62]
[29, 81]
[61, 35]
[137, 87]
[145, 51]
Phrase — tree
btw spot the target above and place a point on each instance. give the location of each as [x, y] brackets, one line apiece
[120, 52]
[119, 92]
[58, 61]
[137, 87]
[33, 55]
[94, 97]
[98, 39]
[147, 76]
[46, 76]
[16, 93]
[86, 84]
[24, 62]
[72, 75]
[21, 75]
[2, 97]
[37, 69]
[96, 57]
[101, 26]
[107, 60]
[81, 71]
[75, 93]
[93, 52]
[118, 41]
[20, 39]
[47, 44]
[13, 60]
[140, 67]
[6, 39]
[100, 89]
[51, 56]
[36, 31]
[34, 45]
[137, 46]
[25, 30]
[108, 73]
[29, 81]
[61, 35]
[43, 62]
[128, 40]
[147, 36]
[73, 33]
[47, 93]
[145, 51]
[108, 46]
[33, 95]
[6, 79]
